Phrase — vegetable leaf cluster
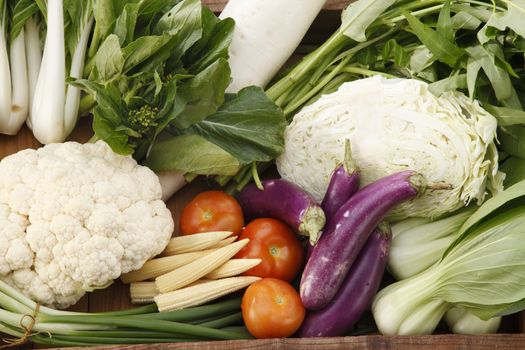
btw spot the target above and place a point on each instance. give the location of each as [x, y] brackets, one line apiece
[156, 75]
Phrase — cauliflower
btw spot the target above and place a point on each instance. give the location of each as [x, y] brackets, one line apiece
[394, 125]
[74, 217]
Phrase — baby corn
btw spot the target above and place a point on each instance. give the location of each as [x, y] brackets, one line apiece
[195, 242]
[143, 292]
[201, 293]
[160, 266]
[232, 268]
[199, 268]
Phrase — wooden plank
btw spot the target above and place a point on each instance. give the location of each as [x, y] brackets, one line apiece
[218, 5]
[372, 342]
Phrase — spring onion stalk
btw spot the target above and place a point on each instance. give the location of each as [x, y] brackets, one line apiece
[55, 107]
[483, 272]
[23, 319]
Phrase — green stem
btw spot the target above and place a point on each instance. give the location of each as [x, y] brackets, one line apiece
[87, 103]
[255, 176]
[225, 321]
[294, 105]
[138, 323]
[334, 43]
[366, 72]
[198, 312]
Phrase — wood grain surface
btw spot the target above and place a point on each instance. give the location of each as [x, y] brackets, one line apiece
[372, 342]
[117, 296]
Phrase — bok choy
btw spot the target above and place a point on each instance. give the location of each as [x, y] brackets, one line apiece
[483, 272]
[55, 105]
[419, 243]
[14, 64]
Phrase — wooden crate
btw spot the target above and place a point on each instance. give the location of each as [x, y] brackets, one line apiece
[116, 297]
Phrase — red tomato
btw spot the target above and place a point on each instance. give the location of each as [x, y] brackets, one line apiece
[276, 245]
[211, 211]
[272, 308]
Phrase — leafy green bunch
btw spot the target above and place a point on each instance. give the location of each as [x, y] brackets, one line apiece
[156, 77]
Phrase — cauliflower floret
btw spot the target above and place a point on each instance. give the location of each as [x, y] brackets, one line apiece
[74, 218]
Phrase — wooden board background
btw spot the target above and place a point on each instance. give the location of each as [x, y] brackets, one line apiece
[117, 296]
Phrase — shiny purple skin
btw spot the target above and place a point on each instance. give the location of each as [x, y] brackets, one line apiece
[348, 231]
[344, 183]
[284, 201]
[355, 295]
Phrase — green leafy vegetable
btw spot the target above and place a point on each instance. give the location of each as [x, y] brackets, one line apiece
[468, 45]
[482, 272]
[156, 85]
[248, 125]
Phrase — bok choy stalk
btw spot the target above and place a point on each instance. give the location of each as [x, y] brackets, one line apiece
[55, 105]
[14, 92]
[33, 56]
[483, 272]
[419, 243]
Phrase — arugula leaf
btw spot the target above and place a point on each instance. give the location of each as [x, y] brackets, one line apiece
[512, 140]
[465, 20]
[444, 50]
[512, 18]
[421, 59]
[191, 154]
[499, 78]
[358, 16]
[444, 25]
[248, 125]
[454, 82]
[393, 50]
[506, 116]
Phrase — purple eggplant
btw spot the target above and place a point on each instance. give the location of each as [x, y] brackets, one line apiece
[346, 234]
[344, 183]
[356, 293]
[284, 201]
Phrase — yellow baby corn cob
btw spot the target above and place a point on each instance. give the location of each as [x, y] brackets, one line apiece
[143, 292]
[232, 267]
[225, 242]
[160, 266]
[199, 268]
[195, 242]
[201, 293]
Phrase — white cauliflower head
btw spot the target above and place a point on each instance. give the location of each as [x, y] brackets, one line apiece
[394, 125]
[74, 217]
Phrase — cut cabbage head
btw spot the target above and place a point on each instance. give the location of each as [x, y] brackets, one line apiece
[394, 125]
